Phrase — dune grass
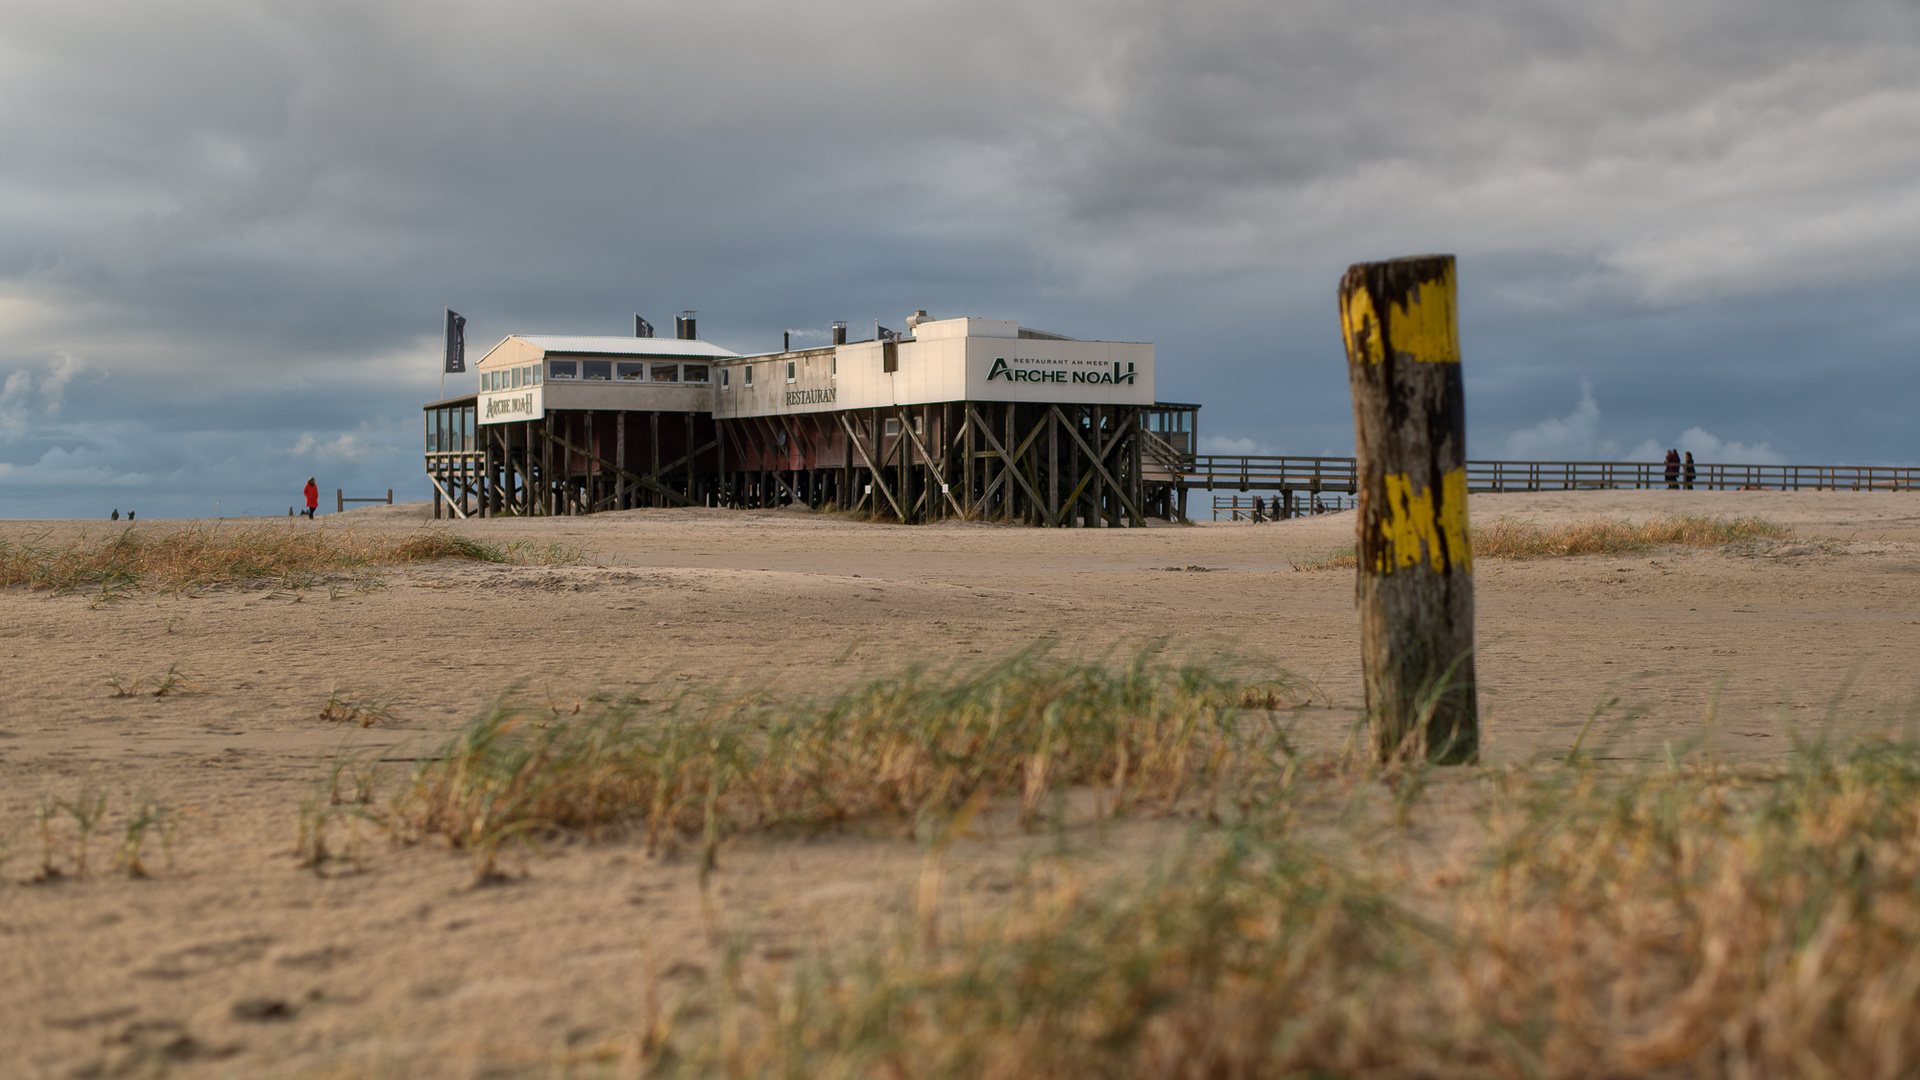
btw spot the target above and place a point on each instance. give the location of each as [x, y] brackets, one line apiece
[1510, 539]
[1571, 917]
[1673, 921]
[908, 748]
[173, 559]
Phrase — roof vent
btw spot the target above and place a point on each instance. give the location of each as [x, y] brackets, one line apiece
[917, 318]
[683, 327]
[839, 331]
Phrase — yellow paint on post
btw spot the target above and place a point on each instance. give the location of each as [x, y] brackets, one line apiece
[1424, 330]
[1362, 327]
[1414, 528]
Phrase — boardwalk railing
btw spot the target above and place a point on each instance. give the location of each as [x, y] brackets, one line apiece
[1242, 508]
[341, 499]
[1317, 474]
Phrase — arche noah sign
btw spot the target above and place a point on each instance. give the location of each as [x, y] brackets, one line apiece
[1121, 374]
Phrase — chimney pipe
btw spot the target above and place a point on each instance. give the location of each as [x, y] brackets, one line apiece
[839, 331]
[683, 327]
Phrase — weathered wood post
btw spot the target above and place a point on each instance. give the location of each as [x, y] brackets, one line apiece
[1414, 583]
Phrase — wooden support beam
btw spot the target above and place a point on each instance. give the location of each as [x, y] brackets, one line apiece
[878, 483]
[1414, 548]
[933, 466]
[546, 468]
[1138, 489]
[1054, 422]
[452, 503]
[687, 459]
[965, 438]
[1100, 469]
[620, 460]
[644, 481]
[1010, 460]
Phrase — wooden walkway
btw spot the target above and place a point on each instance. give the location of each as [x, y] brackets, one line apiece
[1288, 474]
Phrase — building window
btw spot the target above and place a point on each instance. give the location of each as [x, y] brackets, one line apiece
[666, 373]
[893, 426]
[563, 369]
[694, 373]
[833, 366]
[789, 371]
[535, 372]
[723, 379]
[598, 370]
[746, 379]
[919, 425]
[630, 372]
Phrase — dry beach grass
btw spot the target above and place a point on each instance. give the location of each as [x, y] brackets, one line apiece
[172, 558]
[773, 794]
[1507, 538]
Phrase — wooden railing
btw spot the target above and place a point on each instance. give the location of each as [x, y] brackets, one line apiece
[1242, 508]
[1285, 472]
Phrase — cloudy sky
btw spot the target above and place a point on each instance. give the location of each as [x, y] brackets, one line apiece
[228, 229]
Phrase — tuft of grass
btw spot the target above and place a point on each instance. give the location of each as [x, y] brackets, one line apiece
[336, 815]
[87, 809]
[345, 706]
[149, 815]
[1674, 921]
[910, 747]
[67, 827]
[431, 544]
[1344, 558]
[1510, 539]
[171, 681]
[173, 560]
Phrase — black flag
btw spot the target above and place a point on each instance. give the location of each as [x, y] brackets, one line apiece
[885, 334]
[641, 327]
[456, 344]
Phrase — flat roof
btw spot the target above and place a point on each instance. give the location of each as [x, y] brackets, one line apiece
[622, 346]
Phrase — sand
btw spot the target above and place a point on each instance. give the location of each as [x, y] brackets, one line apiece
[235, 962]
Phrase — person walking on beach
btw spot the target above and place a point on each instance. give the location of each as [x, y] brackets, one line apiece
[313, 497]
[1673, 470]
[1689, 470]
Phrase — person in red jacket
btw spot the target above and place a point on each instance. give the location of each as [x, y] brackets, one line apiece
[313, 497]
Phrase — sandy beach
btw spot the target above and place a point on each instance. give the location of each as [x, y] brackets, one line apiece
[235, 962]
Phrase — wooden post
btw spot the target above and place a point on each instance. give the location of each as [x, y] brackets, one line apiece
[1099, 479]
[1415, 579]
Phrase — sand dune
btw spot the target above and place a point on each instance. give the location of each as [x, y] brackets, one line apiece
[235, 962]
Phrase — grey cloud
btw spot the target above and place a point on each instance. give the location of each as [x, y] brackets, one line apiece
[244, 218]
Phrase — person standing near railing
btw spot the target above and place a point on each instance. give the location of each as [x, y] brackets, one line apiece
[1673, 470]
[1689, 470]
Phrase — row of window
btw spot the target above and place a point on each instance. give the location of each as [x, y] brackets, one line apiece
[593, 371]
[624, 371]
[746, 373]
[450, 430]
[510, 378]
